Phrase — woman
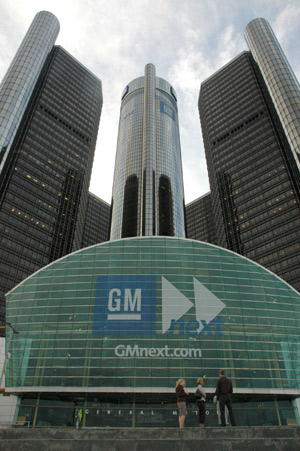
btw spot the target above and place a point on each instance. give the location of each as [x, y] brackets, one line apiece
[200, 396]
[181, 401]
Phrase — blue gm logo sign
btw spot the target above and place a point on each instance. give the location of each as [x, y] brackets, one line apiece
[125, 305]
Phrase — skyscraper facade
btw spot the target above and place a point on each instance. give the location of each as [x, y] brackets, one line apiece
[148, 196]
[254, 179]
[97, 221]
[200, 224]
[21, 77]
[279, 78]
[45, 177]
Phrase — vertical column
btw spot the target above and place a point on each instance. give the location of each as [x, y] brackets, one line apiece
[149, 153]
[21, 77]
[296, 405]
[279, 78]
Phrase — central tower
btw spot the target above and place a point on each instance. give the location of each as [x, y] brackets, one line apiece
[148, 197]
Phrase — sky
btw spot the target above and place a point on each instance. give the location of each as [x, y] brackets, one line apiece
[187, 41]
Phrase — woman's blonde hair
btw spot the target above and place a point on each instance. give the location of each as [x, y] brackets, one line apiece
[179, 382]
[200, 381]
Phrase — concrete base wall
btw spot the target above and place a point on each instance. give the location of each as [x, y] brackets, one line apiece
[7, 403]
[7, 409]
[142, 439]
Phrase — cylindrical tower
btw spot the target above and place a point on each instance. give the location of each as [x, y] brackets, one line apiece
[20, 79]
[279, 77]
[148, 197]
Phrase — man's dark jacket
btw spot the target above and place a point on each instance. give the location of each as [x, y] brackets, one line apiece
[224, 386]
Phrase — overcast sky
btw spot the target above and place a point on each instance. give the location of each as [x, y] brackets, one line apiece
[187, 40]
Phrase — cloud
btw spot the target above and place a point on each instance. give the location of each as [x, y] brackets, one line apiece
[286, 26]
[286, 22]
[230, 44]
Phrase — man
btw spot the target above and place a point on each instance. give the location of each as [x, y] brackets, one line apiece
[223, 392]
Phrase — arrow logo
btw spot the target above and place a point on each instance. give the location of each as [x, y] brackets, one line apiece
[208, 306]
[175, 304]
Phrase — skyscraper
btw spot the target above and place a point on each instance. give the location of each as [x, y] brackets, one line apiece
[21, 77]
[48, 156]
[148, 196]
[279, 78]
[200, 223]
[97, 221]
[145, 304]
[249, 125]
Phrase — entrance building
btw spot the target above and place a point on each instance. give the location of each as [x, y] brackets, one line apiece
[110, 328]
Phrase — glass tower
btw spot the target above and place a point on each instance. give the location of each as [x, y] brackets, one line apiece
[279, 77]
[45, 180]
[21, 77]
[251, 157]
[148, 197]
